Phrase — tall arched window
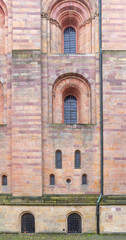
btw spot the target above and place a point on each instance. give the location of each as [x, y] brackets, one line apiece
[52, 179]
[4, 180]
[77, 159]
[27, 223]
[84, 179]
[69, 40]
[58, 159]
[70, 109]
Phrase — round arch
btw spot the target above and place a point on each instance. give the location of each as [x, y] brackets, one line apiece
[27, 222]
[78, 87]
[74, 223]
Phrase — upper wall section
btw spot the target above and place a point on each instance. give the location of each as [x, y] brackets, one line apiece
[114, 24]
[26, 24]
[59, 15]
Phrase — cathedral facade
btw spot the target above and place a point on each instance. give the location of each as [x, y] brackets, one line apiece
[62, 116]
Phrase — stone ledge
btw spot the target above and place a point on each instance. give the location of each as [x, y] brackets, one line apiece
[113, 200]
[50, 200]
[75, 126]
[62, 200]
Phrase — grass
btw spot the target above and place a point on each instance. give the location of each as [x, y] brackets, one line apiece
[61, 237]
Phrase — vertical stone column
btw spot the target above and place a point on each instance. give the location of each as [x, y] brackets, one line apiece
[59, 38]
[44, 33]
[97, 33]
[88, 36]
[81, 39]
[54, 36]
[48, 36]
[93, 35]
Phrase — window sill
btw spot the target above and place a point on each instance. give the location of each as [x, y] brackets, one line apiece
[52, 186]
[72, 126]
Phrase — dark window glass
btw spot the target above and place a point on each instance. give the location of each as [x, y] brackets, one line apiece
[27, 223]
[58, 158]
[74, 223]
[4, 180]
[77, 159]
[84, 179]
[70, 110]
[69, 40]
[52, 179]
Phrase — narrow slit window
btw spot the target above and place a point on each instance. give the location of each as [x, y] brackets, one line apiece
[77, 159]
[69, 40]
[4, 180]
[70, 110]
[58, 159]
[84, 179]
[52, 179]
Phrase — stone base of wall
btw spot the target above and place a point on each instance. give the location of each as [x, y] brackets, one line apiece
[113, 219]
[51, 213]
[51, 219]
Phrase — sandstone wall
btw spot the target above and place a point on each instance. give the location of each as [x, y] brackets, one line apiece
[47, 219]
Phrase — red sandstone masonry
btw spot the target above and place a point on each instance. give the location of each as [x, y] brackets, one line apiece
[114, 99]
[26, 135]
[69, 138]
[114, 25]
[26, 24]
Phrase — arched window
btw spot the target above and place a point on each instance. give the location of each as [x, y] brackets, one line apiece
[77, 159]
[58, 159]
[70, 109]
[52, 179]
[27, 223]
[84, 179]
[4, 180]
[69, 40]
[74, 223]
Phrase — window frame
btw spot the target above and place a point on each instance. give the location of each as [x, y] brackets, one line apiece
[69, 41]
[64, 109]
[62, 44]
[57, 160]
[84, 182]
[4, 182]
[50, 180]
[75, 165]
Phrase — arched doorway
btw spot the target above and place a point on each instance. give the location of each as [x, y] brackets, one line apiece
[74, 223]
[27, 223]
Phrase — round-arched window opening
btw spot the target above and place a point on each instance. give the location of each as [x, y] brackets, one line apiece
[4, 180]
[69, 40]
[27, 223]
[74, 223]
[68, 180]
[70, 110]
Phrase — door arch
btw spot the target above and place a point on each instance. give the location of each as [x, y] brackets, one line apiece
[27, 223]
[74, 223]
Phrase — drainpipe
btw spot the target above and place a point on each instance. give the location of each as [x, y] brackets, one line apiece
[101, 112]
[97, 213]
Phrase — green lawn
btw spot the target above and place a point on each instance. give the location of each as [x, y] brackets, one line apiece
[60, 237]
